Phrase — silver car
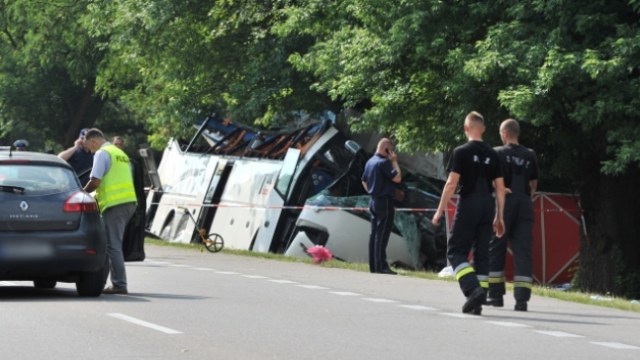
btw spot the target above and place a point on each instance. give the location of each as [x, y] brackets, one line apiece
[50, 229]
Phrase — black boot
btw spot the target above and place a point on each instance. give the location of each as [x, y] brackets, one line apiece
[520, 306]
[474, 302]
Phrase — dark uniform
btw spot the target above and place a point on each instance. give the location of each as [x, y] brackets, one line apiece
[81, 161]
[478, 165]
[519, 166]
[378, 173]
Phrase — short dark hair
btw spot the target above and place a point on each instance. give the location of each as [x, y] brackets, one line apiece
[511, 126]
[94, 133]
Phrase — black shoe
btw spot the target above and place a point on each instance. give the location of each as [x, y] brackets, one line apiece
[477, 310]
[520, 306]
[495, 302]
[474, 302]
[388, 272]
[115, 290]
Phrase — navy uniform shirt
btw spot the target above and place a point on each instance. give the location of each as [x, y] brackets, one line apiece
[378, 174]
[519, 166]
[81, 161]
[478, 165]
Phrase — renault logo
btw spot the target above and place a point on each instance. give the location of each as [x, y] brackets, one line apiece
[24, 206]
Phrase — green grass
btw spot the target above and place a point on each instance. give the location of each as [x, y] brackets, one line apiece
[573, 296]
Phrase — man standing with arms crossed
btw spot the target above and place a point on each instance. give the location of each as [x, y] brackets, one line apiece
[475, 166]
[112, 180]
[380, 173]
[520, 169]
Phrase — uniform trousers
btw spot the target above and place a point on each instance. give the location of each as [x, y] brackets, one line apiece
[472, 228]
[115, 220]
[382, 215]
[518, 220]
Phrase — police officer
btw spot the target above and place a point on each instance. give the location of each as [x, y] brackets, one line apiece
[112, 180]
[79, 156]
[475, 167]
[380, 172]
[520, 169]
[21, 145]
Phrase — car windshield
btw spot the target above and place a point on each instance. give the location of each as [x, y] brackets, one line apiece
[36, 179]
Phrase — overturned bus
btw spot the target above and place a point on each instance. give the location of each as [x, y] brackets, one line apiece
[283, 191]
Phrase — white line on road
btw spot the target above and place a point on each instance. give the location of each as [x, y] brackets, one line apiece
[7, 283]
[313, 287]
[157, 262]
[379, 300]
[559, 334]
[461, 316]
[507, 324]
[227, 272]
[205, 269]
[418, 307]
[344, 293]
[144, 323]
[181, 266]
[282, 281]
[615, 345]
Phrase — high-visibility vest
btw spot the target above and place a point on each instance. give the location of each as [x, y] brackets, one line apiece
[116, 186]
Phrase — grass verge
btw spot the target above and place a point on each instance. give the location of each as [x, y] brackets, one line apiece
[567, 295]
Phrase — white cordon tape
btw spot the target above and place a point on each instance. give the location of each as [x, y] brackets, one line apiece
[313, 207]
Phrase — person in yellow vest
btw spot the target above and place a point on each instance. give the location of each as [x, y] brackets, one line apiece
[113, 183]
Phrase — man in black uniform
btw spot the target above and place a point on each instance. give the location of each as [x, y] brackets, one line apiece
[79, 157]
[520, 169]
[475, 166]
[380, 172]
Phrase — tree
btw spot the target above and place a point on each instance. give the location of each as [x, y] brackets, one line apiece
[176, 62]
[573, 73]
[568, 69]
[48, 73]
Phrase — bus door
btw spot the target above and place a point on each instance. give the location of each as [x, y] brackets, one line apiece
[275, 202]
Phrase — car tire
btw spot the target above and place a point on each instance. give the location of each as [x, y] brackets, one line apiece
[44, 283]
[91, 284]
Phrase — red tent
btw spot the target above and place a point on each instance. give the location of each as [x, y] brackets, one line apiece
[556, 238]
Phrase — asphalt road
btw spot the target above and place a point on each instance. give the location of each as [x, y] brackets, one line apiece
[189, 305]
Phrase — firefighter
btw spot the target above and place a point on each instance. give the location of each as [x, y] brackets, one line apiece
[520, 169]
[475, 166]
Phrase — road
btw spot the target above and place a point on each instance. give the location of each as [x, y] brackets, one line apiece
[184, 304]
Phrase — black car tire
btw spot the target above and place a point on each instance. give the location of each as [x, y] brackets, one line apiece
[44, 283]
[91, 284]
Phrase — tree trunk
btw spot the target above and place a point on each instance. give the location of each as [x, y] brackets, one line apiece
[80, 116]
[610, 253]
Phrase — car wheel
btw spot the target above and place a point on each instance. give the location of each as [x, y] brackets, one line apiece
[44, 283]
[91, 284]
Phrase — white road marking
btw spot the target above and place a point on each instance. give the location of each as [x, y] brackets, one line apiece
[181, 266]
[460, 316]
[255, 276]
[282, 281]
[559, 334]
[313, 287]
[158, 262]
[205, 269]
[615, 345]
[7, 283]
[507, 324]
[227, 272]
[379, 300]
[418, 307]
[144, 323]
[344, 293]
